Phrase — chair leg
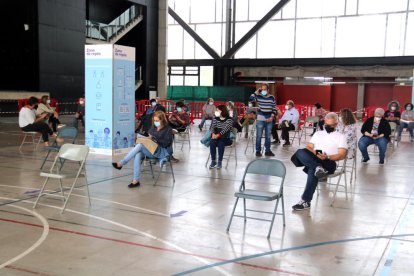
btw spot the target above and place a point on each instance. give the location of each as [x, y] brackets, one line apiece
[232, 214]
[345, 186]
[61, 190]
[283, 211]
[23, 141]
[228, 157]
[41, 192]
[336, 190]
[44, 161]
[244, 210]
[172, 171]
[70, 193]
[235, 154]
[208, 159]
[87, 188]
[273, 218]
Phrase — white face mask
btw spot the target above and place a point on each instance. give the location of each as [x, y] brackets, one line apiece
[408, 108]
[377, 118]
[48, 101]
[286, 107]
[81, 102]
[154, 103]
[217, 113]
[211, 103]
[340, 119]
[250, 104]
[393, 108]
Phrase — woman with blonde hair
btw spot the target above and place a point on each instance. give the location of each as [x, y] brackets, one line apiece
[160, 133]
[50, 112]
[347, 126]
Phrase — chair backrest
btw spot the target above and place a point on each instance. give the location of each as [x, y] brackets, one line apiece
[73, 152]
[68, 132]
[312, 119]
[393, 126]
[272, 167]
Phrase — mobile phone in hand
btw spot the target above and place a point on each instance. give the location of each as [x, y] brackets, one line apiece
[318, 152]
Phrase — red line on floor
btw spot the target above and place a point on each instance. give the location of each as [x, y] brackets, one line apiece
[27, 270]
[150, 246]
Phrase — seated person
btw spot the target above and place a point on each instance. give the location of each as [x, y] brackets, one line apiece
[320, 113]
[221, 127]
[80, 112]
[319, 158]
[146, 118]
[234, 116]
[248, 118]
[376, 130]
[208, 112]
[51, 114]
[179, 119]
[276, 126]
[393, 113]
[160, 133]
[289, 121]
[28, 121]
[407, 121]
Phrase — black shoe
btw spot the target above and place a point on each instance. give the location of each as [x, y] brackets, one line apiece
[381, 162]
[174, 160]
[276, 142]
[132, 185]
[320, 172]
[302, 205]
[287, 144]
[269, 153]
[365, 160]
[200, 127]
[258, 153]
[115, 165]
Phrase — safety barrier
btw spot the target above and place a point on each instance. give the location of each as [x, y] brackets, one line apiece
[53, 103]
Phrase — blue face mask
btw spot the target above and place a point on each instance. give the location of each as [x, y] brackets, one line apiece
[154, 103]
[157, 124]
[179, 109]
[408, 108]
[264, 92]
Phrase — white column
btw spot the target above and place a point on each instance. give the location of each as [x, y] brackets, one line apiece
[360, 98]
[162, 48]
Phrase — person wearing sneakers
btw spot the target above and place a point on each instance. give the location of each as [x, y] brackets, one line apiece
[289, 121]
[266, 112]
[29, 122]
[51, 114]
[407, 121]
[208, 112]
[376, 130]
[319, 157]
[160, 133]
[221, 127]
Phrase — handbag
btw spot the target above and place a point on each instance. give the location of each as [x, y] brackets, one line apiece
[206, 138]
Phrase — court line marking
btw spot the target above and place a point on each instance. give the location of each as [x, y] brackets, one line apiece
[36, 244]
[148, 246]
[131, 229]
[294, 248]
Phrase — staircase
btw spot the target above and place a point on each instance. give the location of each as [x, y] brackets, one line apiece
[100, 33]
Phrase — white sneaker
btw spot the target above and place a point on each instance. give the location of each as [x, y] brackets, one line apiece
[320, 172]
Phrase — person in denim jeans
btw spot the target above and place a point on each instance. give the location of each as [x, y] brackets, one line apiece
[376, 130]
[265, 115]
[319, 158]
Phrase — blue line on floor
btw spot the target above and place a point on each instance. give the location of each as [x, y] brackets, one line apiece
[286, 250]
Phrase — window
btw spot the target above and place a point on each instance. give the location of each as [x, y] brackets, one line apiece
[175, 42]
[409, 43]
[249, 49]
[189, 46]
[381, 6]
[275, 40]
[182, 8]
[206, 76]
[210, 34]
[308, 38]
[242, 10]
[260, 8]
[395, 35]
[203, 11]
[351, 7]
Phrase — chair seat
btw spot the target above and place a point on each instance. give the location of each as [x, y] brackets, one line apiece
[257, 195]
[52, 148]
[53, 175]
[335, 174]
[30, 132]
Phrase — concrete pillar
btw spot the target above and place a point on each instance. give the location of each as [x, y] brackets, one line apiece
[360, 99]
[162, 48]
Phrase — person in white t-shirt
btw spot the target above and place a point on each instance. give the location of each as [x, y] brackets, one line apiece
[29, 122]
[319, 156]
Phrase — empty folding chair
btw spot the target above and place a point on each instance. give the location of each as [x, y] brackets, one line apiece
[266, 167]
[182, 138]
[67, 133]
[69, 152]
[309, 123]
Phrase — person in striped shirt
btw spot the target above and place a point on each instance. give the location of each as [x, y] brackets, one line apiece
[221, 128]
[265, 115]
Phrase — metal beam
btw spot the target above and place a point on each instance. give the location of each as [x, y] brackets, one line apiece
[193, 34]
[230, 53]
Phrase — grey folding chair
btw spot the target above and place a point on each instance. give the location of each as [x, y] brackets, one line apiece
[154, 161]
[70, 152]
[251, 138]
[67, 133]
[309, 122]
[268, 167]
[34, 141]
[183, 137]
[229, 152]
[340, 172]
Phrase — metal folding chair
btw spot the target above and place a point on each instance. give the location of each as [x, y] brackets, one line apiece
[67, 133]
[266, 167]
[231, 150]
[35, 141]
[309, 122]
[182, 138]
[70, 152]
[340, 172]
[251, 138]
[154, 161]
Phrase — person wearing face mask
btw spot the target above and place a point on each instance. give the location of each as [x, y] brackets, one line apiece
[266, 111]
[407, 121]
[145, 120]
[179, 119]
[248, 118]
[161, 133]
[347, 126]
[29, 122]
[376, 130]
[221, 127]
[208, 112]
[233, 115]
[80, 112]
[319, 158]
[51, 114]
[289, 121]
[320, 113]
[393, 113]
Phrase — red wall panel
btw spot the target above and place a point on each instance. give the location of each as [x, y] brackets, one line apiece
[305, 94]
[378, 94]
[402, 94]
[344, 96]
